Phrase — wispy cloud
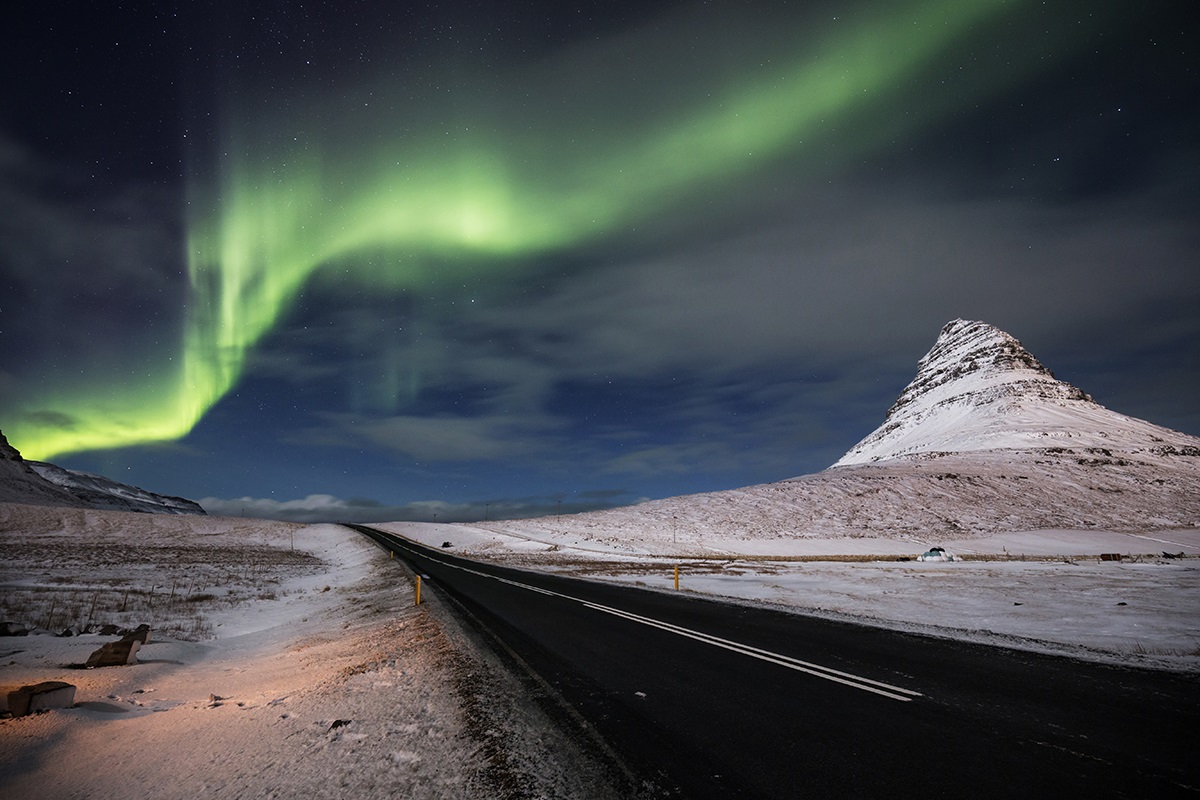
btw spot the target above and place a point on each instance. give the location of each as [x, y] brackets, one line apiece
[439, 438]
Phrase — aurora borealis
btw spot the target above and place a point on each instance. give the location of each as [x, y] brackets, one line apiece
[575, 255]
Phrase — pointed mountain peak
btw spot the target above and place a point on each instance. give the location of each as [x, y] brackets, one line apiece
[979, 389]
[975, 358]
[967, 341]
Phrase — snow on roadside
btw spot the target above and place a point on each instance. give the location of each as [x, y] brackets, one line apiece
[1041, 590]
[349, 561]
[1136, 612]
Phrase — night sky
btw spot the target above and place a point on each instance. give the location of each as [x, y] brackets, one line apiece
[358, 260]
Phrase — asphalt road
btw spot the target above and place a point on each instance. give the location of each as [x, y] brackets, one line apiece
[708, 699]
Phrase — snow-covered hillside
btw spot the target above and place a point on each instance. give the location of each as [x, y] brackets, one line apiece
[39, 483]
[984, 440]
[921, 499]
[101, 492]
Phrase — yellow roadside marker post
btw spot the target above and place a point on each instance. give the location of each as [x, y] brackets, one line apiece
[676, 577]
[418, 590]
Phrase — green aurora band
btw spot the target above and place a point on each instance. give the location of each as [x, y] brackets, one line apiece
[414, 212]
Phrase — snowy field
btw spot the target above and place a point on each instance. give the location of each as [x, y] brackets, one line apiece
[1043, 590]
[311, 674]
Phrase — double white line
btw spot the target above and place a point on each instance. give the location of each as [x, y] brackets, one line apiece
[828, 673]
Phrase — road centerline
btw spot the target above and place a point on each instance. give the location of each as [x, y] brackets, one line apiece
[827, 673]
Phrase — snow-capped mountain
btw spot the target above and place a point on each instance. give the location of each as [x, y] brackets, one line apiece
[980, 389]
[39, 483]
[983, 440]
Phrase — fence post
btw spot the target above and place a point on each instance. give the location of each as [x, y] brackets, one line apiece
[91, 610]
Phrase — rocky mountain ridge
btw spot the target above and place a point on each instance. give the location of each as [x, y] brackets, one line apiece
[40, 483]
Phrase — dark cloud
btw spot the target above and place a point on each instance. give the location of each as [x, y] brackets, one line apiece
[871, 274]
[90, 271]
